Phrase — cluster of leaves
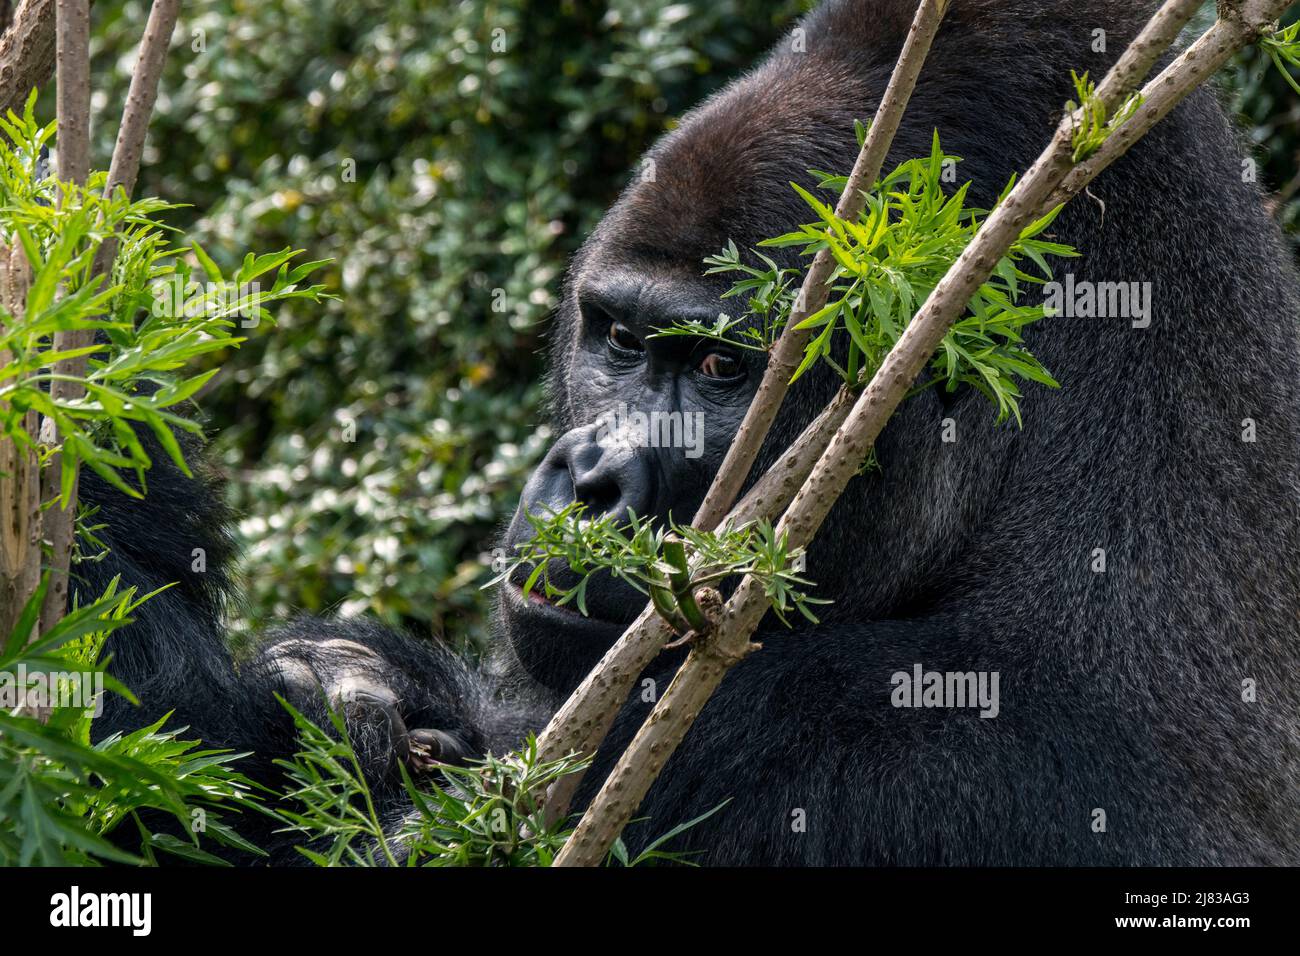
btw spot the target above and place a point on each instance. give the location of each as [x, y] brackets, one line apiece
[670, 563]
[476, 169]
[1095, 125]
[142, 340]
[63, 799]
[886, 265]
[488, 812]
[1283, 48]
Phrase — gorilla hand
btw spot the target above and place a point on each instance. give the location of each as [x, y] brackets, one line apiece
[378, 700]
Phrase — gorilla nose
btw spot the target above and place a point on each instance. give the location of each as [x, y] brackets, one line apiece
[607, 477]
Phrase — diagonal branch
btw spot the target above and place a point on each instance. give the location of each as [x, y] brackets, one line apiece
[584, 720]
[1198, 62]
[711, 658]
[788, 351]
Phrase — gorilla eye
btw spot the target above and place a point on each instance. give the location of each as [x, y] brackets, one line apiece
[720, 365]
[623, 340]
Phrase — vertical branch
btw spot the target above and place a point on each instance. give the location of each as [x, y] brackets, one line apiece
[72, 88]
[125, 166]
[20, 552]
[72, 82]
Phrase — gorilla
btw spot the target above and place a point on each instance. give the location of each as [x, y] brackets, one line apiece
[1127, 563]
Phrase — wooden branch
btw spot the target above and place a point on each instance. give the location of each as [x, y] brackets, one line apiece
[584, 720]
[122, 172]
[72, 90]
[773, 492]
[20, 547]
[26, 53]
[142, 96]
[788, 351]
[1198, 63]
[711, 658]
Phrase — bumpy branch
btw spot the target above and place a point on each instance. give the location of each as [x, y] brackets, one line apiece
[142, 95]
[72, 87]
[1239, 25]
[584, 720]
[26, 52]
[788, 351]
[710, 659]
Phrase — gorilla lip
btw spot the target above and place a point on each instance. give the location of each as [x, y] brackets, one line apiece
[539, 604]
[537, 598]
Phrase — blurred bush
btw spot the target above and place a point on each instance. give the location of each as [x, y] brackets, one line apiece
[449, 157]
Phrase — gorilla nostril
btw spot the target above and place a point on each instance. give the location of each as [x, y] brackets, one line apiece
[598, 490]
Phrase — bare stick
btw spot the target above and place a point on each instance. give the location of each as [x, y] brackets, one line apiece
[1140, 56]
[125, 166]
[715, 654]
[26, 53]
[788, 351]
[142, 96]
[72, 86]
[773, 492]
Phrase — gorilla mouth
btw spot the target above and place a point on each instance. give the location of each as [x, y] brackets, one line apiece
[537, 604]
[539, 597]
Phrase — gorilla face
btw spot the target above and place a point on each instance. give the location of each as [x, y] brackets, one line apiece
[649, 422]
[722, 175]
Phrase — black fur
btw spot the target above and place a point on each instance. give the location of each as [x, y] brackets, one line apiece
[1119, 691]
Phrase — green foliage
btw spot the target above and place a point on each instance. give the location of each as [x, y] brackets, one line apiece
[1094, 125]
[886, 264]
[61, 796]
[1283, 48]
[488, 812]
[657, 559]
[61, 229]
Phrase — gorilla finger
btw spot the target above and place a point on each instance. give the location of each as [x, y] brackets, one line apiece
[429, 748]
[364, 703]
